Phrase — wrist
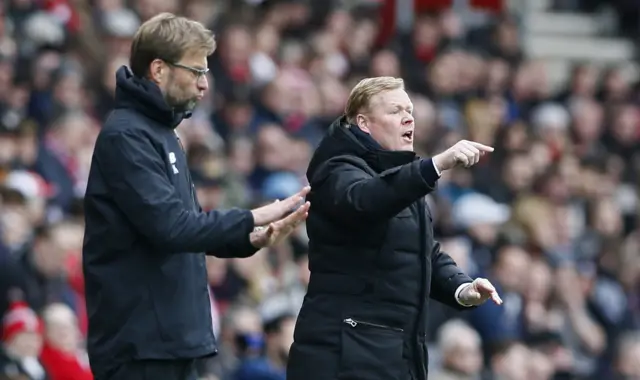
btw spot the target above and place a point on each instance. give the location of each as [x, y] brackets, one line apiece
[257, 237]
[437, 164]
[255, 240]
[436, 169]
[460, 294]
[258, 217]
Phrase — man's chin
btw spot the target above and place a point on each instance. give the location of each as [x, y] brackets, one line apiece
[187, 107]
[407, 148]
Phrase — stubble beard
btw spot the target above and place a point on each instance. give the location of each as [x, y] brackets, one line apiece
[181, 104]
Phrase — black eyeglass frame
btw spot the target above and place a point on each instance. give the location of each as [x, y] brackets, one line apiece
[199, 73]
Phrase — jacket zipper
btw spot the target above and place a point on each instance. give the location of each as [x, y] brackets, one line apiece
[421, 359]
[353, 323]
[194, 198]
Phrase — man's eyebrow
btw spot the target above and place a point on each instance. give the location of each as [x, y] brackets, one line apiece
[399, 106]
[198, 66]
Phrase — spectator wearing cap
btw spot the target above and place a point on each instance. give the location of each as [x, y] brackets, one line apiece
[17, 231]
[35, 190]
[21, 343]
[551, 122]
[119, 26]
[480, 217]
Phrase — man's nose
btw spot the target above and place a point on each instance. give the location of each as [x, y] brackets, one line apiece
[203, 83]
[408, 120]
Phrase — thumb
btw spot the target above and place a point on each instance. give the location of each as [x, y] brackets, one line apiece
[271, 229]
[484, 286]
[473, 293]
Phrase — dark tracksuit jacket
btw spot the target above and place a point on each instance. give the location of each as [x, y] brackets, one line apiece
[143, 261]
[374, 263]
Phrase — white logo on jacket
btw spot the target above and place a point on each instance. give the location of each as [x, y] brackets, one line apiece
[172, 161]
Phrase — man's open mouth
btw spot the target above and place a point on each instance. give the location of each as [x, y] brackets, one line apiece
[408, 135]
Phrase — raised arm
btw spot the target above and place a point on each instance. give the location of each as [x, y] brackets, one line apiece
[343, 189]
[136, 178]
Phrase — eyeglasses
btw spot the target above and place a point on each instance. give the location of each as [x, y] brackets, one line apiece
[199, 73]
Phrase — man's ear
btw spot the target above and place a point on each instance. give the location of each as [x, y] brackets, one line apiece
[362, 123]
[157, 70]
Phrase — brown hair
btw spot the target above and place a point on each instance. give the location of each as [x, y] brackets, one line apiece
[362, 93]
[168, 37]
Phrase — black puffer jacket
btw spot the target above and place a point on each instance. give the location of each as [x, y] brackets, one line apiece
[374, 263]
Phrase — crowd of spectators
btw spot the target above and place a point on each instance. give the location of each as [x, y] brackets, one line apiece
[551, 217]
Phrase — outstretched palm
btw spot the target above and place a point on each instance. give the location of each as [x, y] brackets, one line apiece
[277, 231]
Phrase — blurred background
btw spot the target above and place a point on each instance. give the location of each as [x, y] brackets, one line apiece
[551, 217]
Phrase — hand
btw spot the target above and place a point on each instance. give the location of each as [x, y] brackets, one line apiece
[279, 230]
[278, 209]
[478, 292]
[463, 153]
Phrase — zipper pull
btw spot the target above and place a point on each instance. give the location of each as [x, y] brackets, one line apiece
[350, 322]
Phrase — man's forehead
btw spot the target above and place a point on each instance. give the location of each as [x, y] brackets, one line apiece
[195, 59]
[397, 97]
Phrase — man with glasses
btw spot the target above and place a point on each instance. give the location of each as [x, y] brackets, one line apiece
[144, 266]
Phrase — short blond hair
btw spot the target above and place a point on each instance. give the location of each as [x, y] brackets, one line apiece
[168, 37]
[360, 97]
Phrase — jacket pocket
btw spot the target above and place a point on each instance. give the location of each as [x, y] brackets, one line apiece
[370, 351]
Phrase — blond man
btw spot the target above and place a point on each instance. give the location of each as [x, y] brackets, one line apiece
[143, 257]
[373, 259]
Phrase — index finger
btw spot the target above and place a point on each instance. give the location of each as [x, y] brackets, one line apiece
[294, 200]
[304, 191]
[296, 216]
[300, 195]
[482, 147]
[487, 285]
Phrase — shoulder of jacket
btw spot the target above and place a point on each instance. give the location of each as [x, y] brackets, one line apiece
[348, 159]
[115, 130]
[122, 119]
[126, 119]
[335, 164]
